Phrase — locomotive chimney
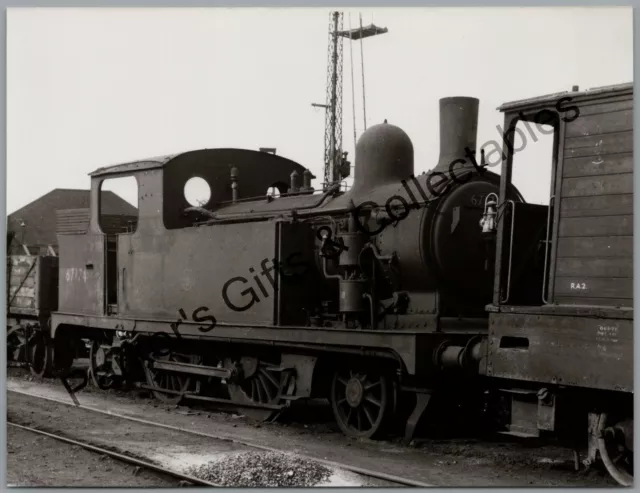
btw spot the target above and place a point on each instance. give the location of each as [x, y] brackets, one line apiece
[458, 131]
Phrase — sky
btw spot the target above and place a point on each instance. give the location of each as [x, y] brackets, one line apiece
[88, 88]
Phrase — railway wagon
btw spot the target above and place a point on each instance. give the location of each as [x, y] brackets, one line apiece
[32, 294]
[440, 287]
[563, 326]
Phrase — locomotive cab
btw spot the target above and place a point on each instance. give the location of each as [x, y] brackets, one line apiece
[115, 268]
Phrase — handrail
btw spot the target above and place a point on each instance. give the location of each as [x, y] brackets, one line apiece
[513, 217]
[546, 252]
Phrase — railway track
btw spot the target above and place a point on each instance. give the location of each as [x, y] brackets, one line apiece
[390, 479]
[118, 456]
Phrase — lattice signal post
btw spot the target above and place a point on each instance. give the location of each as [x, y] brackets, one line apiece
[335, 164]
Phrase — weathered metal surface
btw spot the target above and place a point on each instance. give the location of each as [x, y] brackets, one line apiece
[406, 346]
[524, 413]
[588, 311]
[594, 262]
[82, 273]
[141, 165]
[384, 155]
[564, 350]
[458, 132]
[211, 267]
[304, 367]
[258, 171]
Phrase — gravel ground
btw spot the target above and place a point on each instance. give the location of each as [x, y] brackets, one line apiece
[261, 469]
[309, 430]
[175, 450]
[36, 460]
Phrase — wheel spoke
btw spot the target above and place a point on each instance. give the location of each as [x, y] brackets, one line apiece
[342, 381]
[371, 386]
[260, 390]
[339, 402]
[359, 418]
[265, 385]
[252, 384]
[373, 401]
[271, 379]
[368, 414]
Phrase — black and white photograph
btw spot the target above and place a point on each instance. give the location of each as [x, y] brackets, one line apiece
[319, 247]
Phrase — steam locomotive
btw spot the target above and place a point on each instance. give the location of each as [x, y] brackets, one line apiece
[445, 284]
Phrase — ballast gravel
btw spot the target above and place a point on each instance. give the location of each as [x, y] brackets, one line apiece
[261, 469]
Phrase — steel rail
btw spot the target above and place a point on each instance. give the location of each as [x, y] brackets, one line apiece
[116, 455]
[248, 443]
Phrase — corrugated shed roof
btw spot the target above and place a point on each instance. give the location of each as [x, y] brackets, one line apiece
[40, 215]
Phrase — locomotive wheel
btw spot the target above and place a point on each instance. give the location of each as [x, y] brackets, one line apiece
[615, 443]
[17, 344]
[168, 380]
[361, 403]
[101, 372]
[40, 355]
[259, 384]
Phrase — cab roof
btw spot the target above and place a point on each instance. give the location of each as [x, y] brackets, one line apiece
[552, 98]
